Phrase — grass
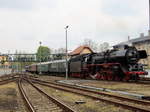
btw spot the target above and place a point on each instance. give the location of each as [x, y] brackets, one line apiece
[10, 85]
[10, 101]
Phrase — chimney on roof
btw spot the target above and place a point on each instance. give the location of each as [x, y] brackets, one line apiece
[142, 35]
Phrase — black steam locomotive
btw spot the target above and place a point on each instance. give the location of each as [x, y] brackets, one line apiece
[115, 64]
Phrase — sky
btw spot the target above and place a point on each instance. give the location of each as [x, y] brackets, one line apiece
[24, 23]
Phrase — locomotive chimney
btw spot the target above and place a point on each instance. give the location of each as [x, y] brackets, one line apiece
[142, 35]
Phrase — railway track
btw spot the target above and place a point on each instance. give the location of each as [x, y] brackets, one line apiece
[8, 76]
[8, 80]
[25, 98]
[50, 104]
[128, 103]
[92, 91]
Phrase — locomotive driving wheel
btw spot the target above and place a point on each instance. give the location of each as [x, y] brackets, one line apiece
[105, 76]
[110, 77]
[127, 78]
[135, 77]
[98, 75]
[117, 78]
[110, 74]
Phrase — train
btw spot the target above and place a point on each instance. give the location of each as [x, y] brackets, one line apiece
[115, 64]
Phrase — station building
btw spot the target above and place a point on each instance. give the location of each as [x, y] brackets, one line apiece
[141, 43]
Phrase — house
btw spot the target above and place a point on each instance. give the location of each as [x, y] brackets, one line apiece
[81, 50]
[3, 61]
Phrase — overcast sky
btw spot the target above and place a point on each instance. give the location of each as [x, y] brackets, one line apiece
[23, 23]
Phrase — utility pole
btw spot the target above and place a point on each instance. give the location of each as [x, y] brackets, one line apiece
[66, 53]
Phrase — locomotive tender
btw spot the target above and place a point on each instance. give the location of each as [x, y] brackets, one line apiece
[115, 64]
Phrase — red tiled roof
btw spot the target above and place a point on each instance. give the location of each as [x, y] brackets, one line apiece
[79, 50]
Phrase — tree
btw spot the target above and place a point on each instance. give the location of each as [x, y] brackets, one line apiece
[3, 61]
[43, 53]
[90, 43]
[103, 47]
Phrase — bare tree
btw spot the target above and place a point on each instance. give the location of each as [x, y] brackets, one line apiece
[90, 43]
[59, 51]
[103, 47]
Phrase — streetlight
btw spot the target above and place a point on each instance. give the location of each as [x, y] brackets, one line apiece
[40, 56]
[66, 54]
